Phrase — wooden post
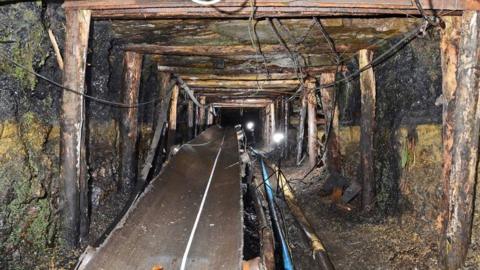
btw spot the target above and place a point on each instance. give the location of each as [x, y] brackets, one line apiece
[333, 160]
[285, 126]
[209, 116]
[190, 119]
[466, 119]
[367, 125]
[201, 114]
[166, 86]
[132, 70]
[312, 124]
[266, 126]
[273, 127]
[449, 45]
[301, 126]
[172, 118]
[72, 124]
[197, 121]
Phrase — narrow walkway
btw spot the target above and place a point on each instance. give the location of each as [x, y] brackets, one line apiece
[190, 217]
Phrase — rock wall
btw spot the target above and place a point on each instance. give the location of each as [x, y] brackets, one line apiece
[30, 188]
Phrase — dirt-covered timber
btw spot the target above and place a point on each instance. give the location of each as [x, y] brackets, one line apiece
[301, 126]
[449, 45]
[312, 125]
[72, 167]
[132, 69]
[367, 125]
[172, 117]
[330, 108]
[466, 116]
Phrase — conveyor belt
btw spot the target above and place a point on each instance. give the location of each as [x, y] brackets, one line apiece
[157, 229]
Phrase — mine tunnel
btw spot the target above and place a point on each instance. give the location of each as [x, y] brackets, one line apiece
[239, 134]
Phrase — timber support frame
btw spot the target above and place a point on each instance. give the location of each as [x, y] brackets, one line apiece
[72, 115]
[462, 171]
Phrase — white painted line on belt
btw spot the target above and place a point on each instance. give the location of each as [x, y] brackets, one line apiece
[195, 224]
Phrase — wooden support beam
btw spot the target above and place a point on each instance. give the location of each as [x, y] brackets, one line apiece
[241, 69]
[241, 77]
[301, 126]
[266, 126]
[132, 70]
[72, 144]
[136, 9]
[273, 123]
[172, 118]
[464, 149]
[233, 91]
[209, 116]
[367, 126]
[161, 123]
[286, 115]
[312, 124]
[449, 46]
[201, 115]
[190, 117]
[333, 158]
[219, 84]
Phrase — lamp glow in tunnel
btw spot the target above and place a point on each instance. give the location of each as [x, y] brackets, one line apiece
[250, 125]
[278, 137]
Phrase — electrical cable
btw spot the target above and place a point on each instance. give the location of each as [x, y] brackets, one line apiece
[96, 99]
[408, 37]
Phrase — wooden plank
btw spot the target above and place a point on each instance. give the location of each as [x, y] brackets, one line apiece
[172, 118]
[449, 45]
[466, 119]
[367, 125]
[236, 105]
[75, 187]
[243, 84]
[240, 77]
[132, 70]
[312, 125]
[227, 8]
[239, 69]
[334, 160]
[310, 53]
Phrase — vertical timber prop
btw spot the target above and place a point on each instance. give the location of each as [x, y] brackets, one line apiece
[190, 119]
[333, 160]
[466, 119]
[72, 125]
[449, 45]
[266, 126]
[201, 114]
[172, 118]
[162, 113]
[301, 126]
[367, 125]
[272, 119]
[285, 126]
[209, 116]
[132, 70]
[312, 125]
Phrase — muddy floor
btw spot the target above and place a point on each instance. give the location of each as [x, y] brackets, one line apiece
[353, 240]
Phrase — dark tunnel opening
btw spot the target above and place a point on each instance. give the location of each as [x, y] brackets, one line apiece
[230, 117]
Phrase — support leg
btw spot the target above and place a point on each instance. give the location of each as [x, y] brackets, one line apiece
[72, 123]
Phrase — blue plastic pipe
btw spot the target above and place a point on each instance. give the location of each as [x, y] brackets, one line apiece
[286, 257]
